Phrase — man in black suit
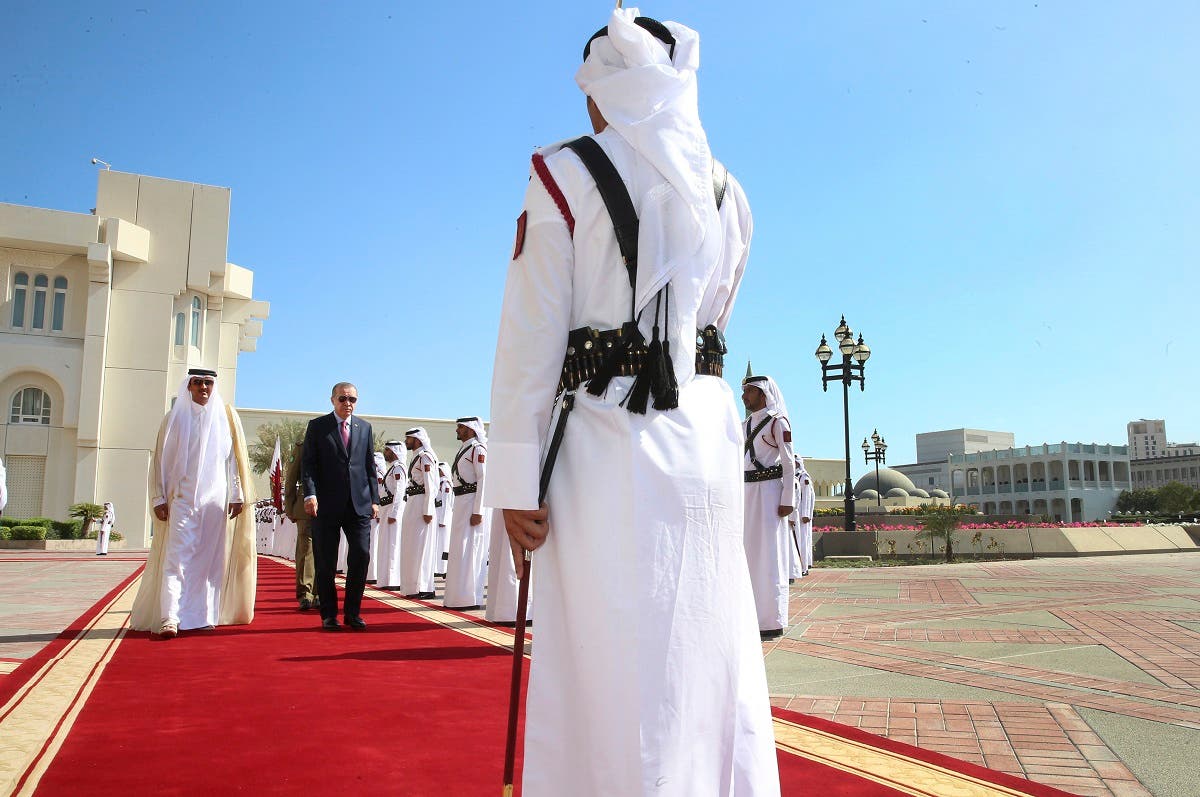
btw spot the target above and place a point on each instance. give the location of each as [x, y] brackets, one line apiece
[338, 472]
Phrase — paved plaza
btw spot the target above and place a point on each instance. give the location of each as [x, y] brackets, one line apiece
[1079, 673]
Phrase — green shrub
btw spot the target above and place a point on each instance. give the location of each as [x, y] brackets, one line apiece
[9, 522]
[44, 522]
[27, 532]
[5, 533]
[66, 530]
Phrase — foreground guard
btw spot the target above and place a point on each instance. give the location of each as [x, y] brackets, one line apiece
[647, 675]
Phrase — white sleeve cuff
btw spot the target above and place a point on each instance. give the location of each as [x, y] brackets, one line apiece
[512, 478]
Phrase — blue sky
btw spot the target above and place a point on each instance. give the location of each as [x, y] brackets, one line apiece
[1003, 197]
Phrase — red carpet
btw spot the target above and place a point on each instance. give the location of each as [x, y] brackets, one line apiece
[408, 708]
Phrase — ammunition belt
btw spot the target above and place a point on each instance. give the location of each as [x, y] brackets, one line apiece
[465, 489]
[587, 349]
[764, 474]
[415, 489]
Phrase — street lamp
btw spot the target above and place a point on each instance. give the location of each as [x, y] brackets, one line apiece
[878, 455]
[850, 369]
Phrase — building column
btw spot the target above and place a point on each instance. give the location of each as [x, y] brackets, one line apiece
[91, 381]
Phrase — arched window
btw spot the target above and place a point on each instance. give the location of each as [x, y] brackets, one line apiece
[40, 284]
[196, 321]
[30, 405]
[180, 328]
[20, 289]
[59, 308]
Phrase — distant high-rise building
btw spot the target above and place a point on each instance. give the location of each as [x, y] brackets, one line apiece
[1147, 438]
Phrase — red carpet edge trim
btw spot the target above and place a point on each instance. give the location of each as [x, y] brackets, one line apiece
[990, 776]
[34, 666]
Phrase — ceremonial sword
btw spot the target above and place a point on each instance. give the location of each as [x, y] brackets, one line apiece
[514, 697]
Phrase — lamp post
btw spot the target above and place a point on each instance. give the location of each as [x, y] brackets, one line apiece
[850, 369]
[877, 455]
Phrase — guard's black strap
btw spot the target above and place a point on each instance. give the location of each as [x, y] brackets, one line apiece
[752, 436]
[616, 199]
[454, 467]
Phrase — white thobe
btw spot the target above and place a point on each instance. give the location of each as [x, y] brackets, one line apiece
[647, 675]
[194, 560]
[502, 582]
[466, 568]
[806, 507]
[394, 481]
[443, 517]
[416, 535]
[106, 526]
[768, 536]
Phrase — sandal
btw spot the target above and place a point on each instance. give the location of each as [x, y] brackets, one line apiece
[168, 630]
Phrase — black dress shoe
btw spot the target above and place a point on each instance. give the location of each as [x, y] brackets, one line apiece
[425, 595]
[356, 624]
[305, 604]
[330, 624]
[774, 633]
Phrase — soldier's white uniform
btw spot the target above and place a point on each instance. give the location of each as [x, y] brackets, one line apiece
[417, 535]
[466, 569]
[443, 516]
[806, 507]
[770, 473]
[395, 482]
[647, 675]
[106, 526]
[502, 583]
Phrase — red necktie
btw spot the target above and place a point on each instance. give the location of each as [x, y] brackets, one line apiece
[346, 434]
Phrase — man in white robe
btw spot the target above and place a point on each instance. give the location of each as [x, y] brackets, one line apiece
[105, 529]
[443, 512]
[391, 489]
[806, 506]
[466, 568]
[502, 583]
[417, 534]
[381, 467]
[647, 676]
[201, 571]
[770, 474]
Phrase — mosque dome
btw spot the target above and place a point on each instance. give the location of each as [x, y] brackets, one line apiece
[867, 494]
[938, 494]
[896, 492]
[919, 493]
[888, 480]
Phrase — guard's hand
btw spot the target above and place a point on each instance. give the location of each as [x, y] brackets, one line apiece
[374, 511]
[235, 510]
[476, 519]
[527, 529]
[784, 511]
[391, 520]
[518, 554]
[806, 520]
[310, 506]
[160, 511]
[428, 518]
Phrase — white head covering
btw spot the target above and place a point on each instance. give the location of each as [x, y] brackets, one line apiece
[396, 447]
[380, 464]
[476, 426]
[421, 435]
[649, 99]
[801, 471]
[206, 426]
[771, 390]
[3, 486]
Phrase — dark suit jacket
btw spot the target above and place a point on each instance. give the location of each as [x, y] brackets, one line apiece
[334, 476]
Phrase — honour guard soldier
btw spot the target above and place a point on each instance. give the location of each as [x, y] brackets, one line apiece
[467, 567]
[417, 534]
[445, 511]
[391, 496]
[770, 473]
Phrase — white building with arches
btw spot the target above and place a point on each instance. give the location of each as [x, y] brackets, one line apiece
[101, 315]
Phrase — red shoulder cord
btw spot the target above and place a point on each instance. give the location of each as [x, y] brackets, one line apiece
[543, 173]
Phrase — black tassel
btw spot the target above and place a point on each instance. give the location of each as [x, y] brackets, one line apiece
[639, 395]
[668, 398]
[604, 374]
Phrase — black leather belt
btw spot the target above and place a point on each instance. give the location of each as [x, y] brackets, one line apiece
[587, 348]
[465, 489]
[764, 474]
[415, 489]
